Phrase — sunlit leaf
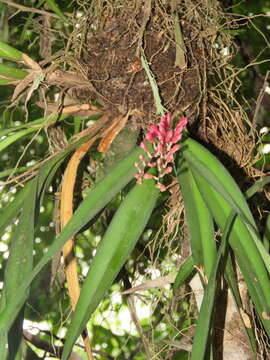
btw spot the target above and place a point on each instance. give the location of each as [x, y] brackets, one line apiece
[12, 73]
[10, 53]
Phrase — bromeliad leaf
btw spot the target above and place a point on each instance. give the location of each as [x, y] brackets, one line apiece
[120, 238]
[99, 197]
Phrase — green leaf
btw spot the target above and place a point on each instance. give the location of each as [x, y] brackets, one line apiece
[11, 72]
[203, 327]
[266, 235]
[5, 81]
[8, 52]
[14, 274]
[257, 187]
[199, 221]
[28, 200]
[120, 238]
[14, 137]
[19, 264]
[99, 197]
[207, 165]
[55, 8]
[222, 195]
[38, 123]
[245, 250]
[9, 212]
[185, 271]
[30, 127]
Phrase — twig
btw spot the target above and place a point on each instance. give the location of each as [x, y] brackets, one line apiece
[145, 342]
[53, 349]
[260, 98]
[29, 9]
[242, 69]
[146, 17]
[42, 344]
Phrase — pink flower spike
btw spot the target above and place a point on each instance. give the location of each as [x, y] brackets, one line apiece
[154, 129]
[164, 139]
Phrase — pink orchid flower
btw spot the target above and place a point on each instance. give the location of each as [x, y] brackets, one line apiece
[164, 140]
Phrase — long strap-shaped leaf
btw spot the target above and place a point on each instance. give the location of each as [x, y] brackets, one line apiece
[212, 170]
[99, 197]
[185, 272]
[46, 173]
[8, 214]
[120, 238]
[199, 221]
[28, 200]
[248, 257]
[198, 216]
[222, 195]
[202, 331]
[10, 53]
[13, 73]
[19, 264]
[38, 123]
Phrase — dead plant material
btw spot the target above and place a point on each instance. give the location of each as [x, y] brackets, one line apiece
[66, 79]
[74, 109]
[66, 213]
[143, 337]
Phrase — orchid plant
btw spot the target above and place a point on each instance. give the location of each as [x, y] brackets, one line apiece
[164, 140]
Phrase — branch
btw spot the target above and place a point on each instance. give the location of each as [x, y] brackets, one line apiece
[29, 9]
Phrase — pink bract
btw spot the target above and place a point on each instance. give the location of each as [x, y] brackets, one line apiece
[163, 138]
